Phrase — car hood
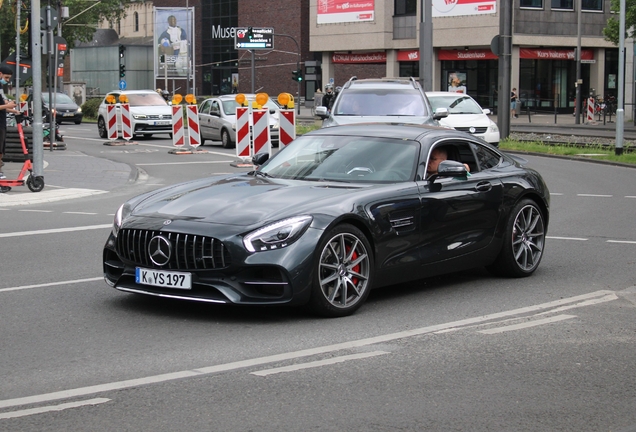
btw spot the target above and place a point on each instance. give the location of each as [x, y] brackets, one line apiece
[242, 200]
[466, 120]
[151, 110]
[346, 120]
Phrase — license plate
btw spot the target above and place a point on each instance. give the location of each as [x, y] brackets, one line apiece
[162, 123]
[68, 114]
[162, 278]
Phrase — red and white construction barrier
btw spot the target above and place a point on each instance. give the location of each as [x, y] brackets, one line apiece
[243, 149]
[178, 137]
[260, 129]
[194, 131]
[590, 109]
[24, 107]
[126, 122]
[287, 131]
[111, 121]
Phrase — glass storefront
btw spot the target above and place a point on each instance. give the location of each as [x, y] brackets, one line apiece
[480, 79]
[219, 65]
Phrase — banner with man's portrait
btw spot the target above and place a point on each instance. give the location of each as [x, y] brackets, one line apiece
[173, 41]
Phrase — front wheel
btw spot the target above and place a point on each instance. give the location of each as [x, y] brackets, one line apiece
[225, 139]
[101, 127]
[35, 183]
[524, 241]
[343, 271]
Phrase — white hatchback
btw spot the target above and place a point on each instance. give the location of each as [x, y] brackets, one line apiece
[465, 114]
[150, 113]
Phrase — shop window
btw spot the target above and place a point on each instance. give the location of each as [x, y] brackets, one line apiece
[563, 4]
[592, 5]
[531, 4]
[136, 21]
[405, 7]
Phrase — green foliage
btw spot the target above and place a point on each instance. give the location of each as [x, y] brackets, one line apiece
[90, 107]
[589, 151]
[611, 31]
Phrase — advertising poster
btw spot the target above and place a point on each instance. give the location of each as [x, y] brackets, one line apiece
[340, 11]
[456, 82]
[452, 8]
[174, 42]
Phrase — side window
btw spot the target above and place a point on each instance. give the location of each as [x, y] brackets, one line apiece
[486, 158]
[215, 108]
[205, 108]
[458, 151]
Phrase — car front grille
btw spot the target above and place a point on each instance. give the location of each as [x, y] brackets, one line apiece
[188, 252]
[158, 117]
[478, 130]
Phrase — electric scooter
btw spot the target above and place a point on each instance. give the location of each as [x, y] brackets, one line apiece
[35, 183]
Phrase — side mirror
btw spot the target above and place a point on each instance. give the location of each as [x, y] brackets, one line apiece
[321, 112]
[486, 111]
[448, 168]
[260, 158]
[440, 113]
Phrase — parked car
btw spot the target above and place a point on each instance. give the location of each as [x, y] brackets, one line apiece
[394, 100]
[337, 212]
[150, 113]
[465, 114]
[65, 108]
[217, 119]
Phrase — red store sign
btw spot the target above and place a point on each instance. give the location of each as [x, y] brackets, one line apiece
[553, 54]
[374, 57]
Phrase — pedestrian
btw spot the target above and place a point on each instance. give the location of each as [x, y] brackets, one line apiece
[5, 105]
[513, 102]
[327, 101]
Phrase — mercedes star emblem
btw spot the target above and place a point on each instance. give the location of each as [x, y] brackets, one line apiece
[472, 130]
[159, 250]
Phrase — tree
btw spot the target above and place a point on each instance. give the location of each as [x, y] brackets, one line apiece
[611, 30]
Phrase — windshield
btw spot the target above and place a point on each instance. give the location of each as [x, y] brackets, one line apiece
[456, 104]
[408, 102]
[146, 99]
[60, 98]
[345, 159]
[229, 106]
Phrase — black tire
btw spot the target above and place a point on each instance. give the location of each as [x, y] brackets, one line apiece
[225, 139]
[35, 183]
[202, 141]
[147, 136]
[524, 241]
[78, 122]
[101, 127]
[335, 268]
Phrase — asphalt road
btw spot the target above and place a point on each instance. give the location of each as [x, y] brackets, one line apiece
[463, 352]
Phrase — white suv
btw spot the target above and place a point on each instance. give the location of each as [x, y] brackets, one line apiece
[387, 100]
[149, 112]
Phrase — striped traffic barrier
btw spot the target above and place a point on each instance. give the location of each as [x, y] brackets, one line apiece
[111, 121]
[287, 131]
[194, 132]
[590, 109]
[177, 126]
[126, 122]
[243, 149]
[260, 130]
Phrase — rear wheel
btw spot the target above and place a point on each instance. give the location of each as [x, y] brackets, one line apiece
[35, 183]
[225, 139]
[524, 241]
[343, 270]
[101, 127]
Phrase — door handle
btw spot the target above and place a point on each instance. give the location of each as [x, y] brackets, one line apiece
[483, 186]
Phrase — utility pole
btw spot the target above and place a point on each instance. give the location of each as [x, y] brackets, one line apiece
[426, 45]
[38, 156]
[577, 108]
[620, 111]
[505, 63]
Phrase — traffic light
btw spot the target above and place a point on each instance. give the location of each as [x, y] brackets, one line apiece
[122, 70]
[250, 33]
[122, 51]
[297, 75]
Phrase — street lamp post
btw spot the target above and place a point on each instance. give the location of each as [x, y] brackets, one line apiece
[297, 67]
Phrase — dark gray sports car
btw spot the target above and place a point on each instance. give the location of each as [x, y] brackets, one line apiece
[336, 213]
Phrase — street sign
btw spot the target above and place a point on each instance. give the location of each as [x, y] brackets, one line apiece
[122, 84]
[254, 38]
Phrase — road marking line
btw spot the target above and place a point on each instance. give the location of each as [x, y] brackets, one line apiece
[527, 324]
[259, 361]
[630, 196]
[80, 213]
[32, 411]
[319, 363]
[594, 195]
[567, 238]
[56, 230]
[185, 163]
[557, 194]
[23, 287]
[37, 211]
[621, 241]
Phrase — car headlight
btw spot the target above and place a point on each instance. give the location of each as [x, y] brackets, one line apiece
[79, 110]
[122, 212]
[277, 235]
[139, 116]
[493, 127]
[234, 126]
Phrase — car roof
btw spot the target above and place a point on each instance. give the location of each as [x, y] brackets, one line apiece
[133, 91]
[383, 130]
[381, 83]
[446, 93]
